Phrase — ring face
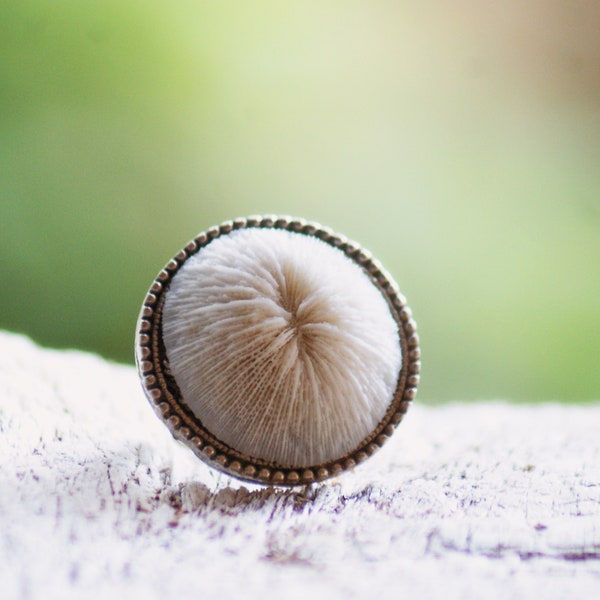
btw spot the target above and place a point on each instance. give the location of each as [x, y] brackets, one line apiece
[262, 371]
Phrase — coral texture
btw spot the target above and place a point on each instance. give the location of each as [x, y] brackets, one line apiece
[281, 345]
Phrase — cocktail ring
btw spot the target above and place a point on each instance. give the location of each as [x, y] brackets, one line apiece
[278, 351]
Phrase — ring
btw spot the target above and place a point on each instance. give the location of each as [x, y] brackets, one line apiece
[278, 351]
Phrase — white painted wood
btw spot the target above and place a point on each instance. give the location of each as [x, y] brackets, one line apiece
[97, 501]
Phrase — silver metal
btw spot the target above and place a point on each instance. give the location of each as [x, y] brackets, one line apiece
[163, 392]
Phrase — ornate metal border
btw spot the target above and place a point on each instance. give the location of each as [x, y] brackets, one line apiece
[163, 393]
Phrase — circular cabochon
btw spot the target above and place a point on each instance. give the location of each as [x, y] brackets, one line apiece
[280, 352]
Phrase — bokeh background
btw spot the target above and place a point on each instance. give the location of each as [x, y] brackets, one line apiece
[460, 142]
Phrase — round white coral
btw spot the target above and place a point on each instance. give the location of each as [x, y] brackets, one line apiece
[281, 345]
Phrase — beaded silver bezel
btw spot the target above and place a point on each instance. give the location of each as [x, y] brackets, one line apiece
[164, 396]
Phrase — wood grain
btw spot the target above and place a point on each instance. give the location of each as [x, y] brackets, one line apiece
[487, 500]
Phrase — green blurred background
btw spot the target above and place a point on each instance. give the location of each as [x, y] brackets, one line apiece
[460, 142]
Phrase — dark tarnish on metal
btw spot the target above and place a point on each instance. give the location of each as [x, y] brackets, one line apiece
[165, 397]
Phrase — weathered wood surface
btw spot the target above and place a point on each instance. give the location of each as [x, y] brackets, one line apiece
[468, 501]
